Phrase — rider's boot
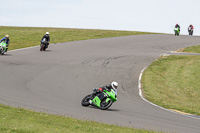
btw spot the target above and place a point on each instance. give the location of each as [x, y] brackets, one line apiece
[95, 91]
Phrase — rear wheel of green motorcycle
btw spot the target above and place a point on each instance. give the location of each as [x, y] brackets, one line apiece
[105, 105]
[85, 101]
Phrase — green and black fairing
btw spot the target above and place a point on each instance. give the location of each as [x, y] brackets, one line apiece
[103, 100]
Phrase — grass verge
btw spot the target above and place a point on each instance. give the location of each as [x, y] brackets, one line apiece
[14, 120]
[21, 37]
[193, 49]
[173, 82]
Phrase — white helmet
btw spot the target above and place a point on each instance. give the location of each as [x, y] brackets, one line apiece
[114, 85]
[47, 33]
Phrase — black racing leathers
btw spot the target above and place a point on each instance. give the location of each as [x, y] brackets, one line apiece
[47, 37]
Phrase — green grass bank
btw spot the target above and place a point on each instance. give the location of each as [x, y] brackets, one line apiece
[21, 37]
[15, 120]
[193, 49]
[173, 82]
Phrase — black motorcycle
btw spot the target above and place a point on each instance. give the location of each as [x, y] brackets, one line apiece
[44, 45]
[190, 31]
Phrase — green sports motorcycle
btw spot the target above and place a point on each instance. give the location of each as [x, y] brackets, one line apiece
[105, 103]
[3, 48]
[177, 31]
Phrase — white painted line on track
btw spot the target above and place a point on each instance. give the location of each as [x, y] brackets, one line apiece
[29, 47]
[23, 48]
[141, 95]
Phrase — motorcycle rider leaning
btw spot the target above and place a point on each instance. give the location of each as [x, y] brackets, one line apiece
[6, 40]
[99, 91]
[47, 38]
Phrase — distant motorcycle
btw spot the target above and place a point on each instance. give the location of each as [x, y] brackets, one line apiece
[111, 97]
[177, 31]
[3, 48]
[43, 45]
[190, 31]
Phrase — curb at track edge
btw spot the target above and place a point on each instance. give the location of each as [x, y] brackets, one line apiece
[173, 111]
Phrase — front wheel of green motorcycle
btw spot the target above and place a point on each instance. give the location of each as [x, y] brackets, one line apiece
[105, 105]
[85, 101]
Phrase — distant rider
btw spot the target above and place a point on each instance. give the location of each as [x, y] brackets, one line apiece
[47, 38]
[6, 40]
[99, 91]
[191, 28]
[178, 26]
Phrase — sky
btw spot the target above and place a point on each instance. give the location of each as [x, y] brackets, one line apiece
[131, 15]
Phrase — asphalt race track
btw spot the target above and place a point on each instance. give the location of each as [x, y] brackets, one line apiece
[55, 81]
